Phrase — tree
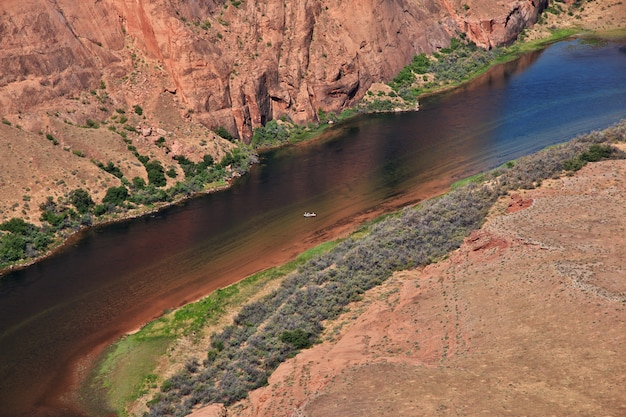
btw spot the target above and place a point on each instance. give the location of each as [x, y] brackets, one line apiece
[139, 182]
[81, 200]
[156, 175]
[116, 195]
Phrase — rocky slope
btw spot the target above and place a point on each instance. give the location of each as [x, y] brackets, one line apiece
[236, 64]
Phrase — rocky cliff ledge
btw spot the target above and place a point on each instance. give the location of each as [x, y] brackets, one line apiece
[235, 64]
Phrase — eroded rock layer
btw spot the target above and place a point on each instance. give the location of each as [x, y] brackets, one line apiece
[230, 64]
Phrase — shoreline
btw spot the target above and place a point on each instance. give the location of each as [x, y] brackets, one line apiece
[181, 350]
[443, 90]
[75, 236]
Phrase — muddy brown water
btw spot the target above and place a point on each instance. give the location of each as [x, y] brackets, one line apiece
[56, 313]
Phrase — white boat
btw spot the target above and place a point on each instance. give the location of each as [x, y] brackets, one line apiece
[307, 214]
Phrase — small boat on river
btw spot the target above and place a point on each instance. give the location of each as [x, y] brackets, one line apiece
[307, 214]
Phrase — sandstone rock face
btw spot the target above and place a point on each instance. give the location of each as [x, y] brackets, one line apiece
[54, 49]
[231, 64]
[490, 25]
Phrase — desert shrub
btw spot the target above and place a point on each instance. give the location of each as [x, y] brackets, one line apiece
[52, 139]
[156, 174]
[12, 248]
[22, 240]
[92, 124]
[102, 209]
[298, 338]
[224, 133]
[81, 200]
[111, 168]
[138, 182]
[453, 64]
[171, 172]
[238, 160]
[57, 215]
[273, 133]
[138, 110]
[191, 169]
[150, 195]
[17, 226]
[116, 196]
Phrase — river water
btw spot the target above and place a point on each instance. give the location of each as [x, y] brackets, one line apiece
[117, 277]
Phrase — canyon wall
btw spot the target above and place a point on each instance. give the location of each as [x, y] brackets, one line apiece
[235, 64]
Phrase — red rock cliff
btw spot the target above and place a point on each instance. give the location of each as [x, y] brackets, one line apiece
[231, 64]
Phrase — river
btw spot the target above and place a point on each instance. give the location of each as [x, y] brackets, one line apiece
[114, 278]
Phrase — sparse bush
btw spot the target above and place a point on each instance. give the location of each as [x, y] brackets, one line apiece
[92, 124]
[111, 168]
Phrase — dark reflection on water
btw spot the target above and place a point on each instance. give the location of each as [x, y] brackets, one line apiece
[117, 277]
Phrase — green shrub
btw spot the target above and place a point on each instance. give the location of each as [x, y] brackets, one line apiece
[111, 168]
[156, 174]
[92, 124]
[100, 209]
[297, 338]
[171, 172]
[12, 248]
[81, 200]
[17, 226]
[273, 133]
[139, 182]
[224, 133]
[594, 153]
[138, 110]
[22, 240]
[115, 196]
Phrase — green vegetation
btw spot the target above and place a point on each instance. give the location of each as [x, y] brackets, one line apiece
[81, 200]
[111, 168]
[138, 110]
[142, 350]
[223, 132]
[20, 240]
[156, 174]
[92, 124]
[57, 215]
[272, 134]
[458, 63]
[283, 131]
[116, 196]
[595, 153]
[52, 139]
